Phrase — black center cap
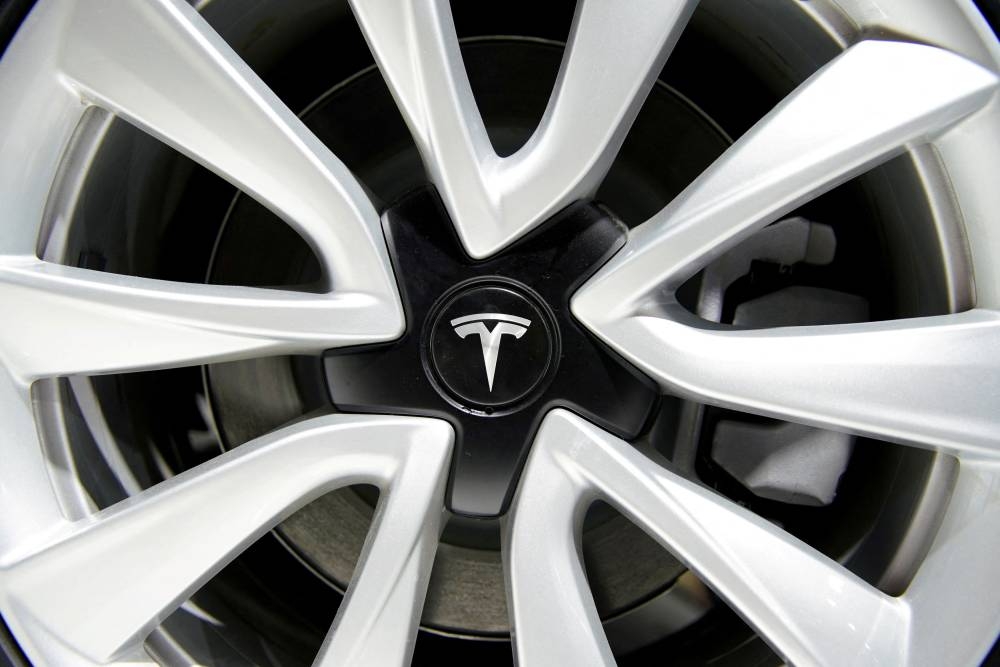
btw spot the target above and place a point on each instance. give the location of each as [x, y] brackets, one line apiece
[491, 344]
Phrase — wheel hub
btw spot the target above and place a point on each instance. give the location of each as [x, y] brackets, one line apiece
[491, 346]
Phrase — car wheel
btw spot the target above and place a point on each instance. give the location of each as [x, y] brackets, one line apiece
[369, 332]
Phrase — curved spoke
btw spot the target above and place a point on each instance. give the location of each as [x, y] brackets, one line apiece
[930, 382]
[65, 320]
[386, 602]
[863, 108]
[615, 52]
[158, 64]
[809, 608]
[146, 555]
[866, 106]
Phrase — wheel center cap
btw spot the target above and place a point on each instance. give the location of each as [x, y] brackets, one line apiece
[491, 344]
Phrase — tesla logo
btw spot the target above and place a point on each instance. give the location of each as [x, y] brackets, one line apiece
[490, 339]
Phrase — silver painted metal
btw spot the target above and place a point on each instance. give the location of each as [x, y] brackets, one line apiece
[615, 52]
[878, 378]
[123, 323]
[92, 590]
[809, 608]
[932, 385]
[787, 462]
[159, 65]
[89, 590]
[64, 60]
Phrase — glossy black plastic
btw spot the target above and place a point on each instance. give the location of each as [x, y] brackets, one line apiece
[565, 367]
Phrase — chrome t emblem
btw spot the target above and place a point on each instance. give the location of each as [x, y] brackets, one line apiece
[490, 340]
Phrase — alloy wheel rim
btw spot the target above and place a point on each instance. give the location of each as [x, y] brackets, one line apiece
[928, 97]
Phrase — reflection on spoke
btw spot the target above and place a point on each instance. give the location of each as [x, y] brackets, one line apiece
[922, 382]
[65, 320]
[809, 608]
[147, 554]
[930, 382]
[158, 64]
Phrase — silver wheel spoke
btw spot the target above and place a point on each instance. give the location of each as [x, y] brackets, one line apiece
[809, 608]
[97, 590]
[64, 320]
[930, 382]
[159, 64]
[615, 53]
[866, 106]
[863, 108]
[385, 605]
[102, 584]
